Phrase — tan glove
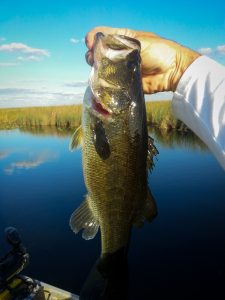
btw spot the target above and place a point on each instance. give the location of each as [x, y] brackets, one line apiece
[163, 61]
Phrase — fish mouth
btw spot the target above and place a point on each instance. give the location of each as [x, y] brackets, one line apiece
[97, 106]
[127, 41]
[114, 47]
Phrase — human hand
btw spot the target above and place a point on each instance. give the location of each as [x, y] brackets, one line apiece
[163, 61]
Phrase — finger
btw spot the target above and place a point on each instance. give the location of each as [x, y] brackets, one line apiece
[154, 84]
[89, 57]
[89, 39]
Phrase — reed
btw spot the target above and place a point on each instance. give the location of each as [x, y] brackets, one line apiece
[159, 114]
[56, 116]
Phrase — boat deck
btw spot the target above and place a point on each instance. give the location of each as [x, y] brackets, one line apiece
[54, 293]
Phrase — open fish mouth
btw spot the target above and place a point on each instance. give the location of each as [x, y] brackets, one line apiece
[97, 106]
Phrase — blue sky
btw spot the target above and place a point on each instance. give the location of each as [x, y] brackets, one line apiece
[42, 47]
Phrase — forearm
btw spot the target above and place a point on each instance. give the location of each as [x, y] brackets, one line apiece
[199, 101]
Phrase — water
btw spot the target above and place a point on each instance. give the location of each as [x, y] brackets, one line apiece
[181, 255]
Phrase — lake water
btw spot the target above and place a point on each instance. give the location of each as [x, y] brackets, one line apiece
[180, 255]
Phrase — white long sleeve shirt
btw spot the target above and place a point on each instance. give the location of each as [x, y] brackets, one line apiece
[199, 101]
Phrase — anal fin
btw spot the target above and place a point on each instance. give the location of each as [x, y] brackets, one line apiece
[148, 211]
[83, 219]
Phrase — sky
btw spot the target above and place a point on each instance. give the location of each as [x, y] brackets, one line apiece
[42, 44]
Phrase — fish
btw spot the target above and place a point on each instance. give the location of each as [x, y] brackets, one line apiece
[117, 154]
[116, 150]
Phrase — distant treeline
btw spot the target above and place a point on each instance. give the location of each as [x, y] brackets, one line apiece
[159, 114]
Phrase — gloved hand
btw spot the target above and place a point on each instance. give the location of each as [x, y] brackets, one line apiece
[163, 61]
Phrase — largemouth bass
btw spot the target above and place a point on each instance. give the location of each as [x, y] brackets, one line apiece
[115, 146]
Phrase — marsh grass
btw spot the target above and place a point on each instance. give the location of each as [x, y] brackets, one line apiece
[54, 116]
[159, 114]
[63, 121]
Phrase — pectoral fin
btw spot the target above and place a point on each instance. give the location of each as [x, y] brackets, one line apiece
[148, 212]
[83, 218]
[76, 140]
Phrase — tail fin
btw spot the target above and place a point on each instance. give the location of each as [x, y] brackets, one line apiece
[108, 279]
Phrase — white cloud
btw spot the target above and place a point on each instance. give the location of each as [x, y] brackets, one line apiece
[74, 41]
[24, 97]
[76, 84]
[205, 51]
[8, 64]
[23, 48]
[67, 93]
[11, 91]
[221, 49]
[29, 58]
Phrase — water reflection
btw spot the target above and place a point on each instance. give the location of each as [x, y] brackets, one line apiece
[48, 131]
[4, 154]
[175, 138]
[171, 138]
[34, 161]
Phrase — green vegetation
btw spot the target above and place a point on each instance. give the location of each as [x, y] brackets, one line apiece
[159, 114]
[55, 116]
[63, 120]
